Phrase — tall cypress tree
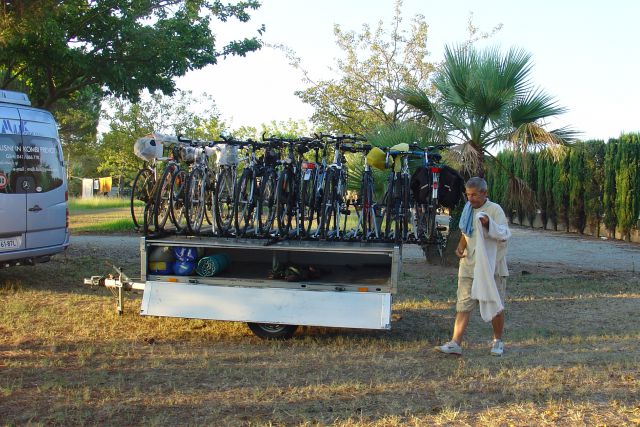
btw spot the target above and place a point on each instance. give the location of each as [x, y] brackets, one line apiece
[561, 189]
[531, 179]
[541, 193]
[518, 170]
[550, 180]
[626, 177]
[609, 187]
[576, 182]
[499, 178]
[594, 183]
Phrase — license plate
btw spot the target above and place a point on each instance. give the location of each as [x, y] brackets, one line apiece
[10, 243]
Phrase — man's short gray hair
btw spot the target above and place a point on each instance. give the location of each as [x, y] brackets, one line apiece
[477, 183]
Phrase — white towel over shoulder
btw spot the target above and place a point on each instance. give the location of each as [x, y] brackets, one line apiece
[484, 287]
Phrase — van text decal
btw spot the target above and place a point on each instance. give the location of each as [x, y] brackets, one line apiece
[14, 127]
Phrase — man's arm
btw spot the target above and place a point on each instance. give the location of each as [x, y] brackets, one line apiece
[462, 245]
[496, 225]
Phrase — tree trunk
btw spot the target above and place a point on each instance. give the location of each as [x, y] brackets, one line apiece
[449, 257]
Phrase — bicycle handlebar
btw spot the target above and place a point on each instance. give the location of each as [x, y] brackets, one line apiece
[340, 138]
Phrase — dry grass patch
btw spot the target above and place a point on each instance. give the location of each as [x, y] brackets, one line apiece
[573, 350]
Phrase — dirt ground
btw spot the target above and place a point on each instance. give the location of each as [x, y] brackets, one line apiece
[572, 358]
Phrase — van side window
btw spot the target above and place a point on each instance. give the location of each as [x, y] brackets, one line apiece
[10, 164]
[42, 162]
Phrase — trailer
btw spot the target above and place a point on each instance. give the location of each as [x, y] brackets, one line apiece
[352, 284]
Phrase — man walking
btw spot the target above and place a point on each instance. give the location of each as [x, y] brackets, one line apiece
[483, 270]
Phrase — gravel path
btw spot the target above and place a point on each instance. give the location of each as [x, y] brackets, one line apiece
[587, 253]
[530, 250]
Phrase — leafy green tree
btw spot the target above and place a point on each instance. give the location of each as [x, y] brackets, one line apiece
[560, 187]
[376, 62]
[549, 185]
[541, 189]
[289, 129]
[609, 191]
[56, 48]
[486, 99]
[577, 183]
[530, 176]
[155, 114]
[498, 179]
[594, 184]
[522, 172]
[626, 201]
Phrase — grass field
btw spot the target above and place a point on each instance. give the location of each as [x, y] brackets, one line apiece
[66, 357]
[100, 214]
[76, 204]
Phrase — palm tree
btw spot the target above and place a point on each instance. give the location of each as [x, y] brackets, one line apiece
[485, 100]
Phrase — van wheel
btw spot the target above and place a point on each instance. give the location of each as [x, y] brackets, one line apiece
[271, 331]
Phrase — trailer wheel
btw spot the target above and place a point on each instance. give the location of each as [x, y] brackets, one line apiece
[271, 331]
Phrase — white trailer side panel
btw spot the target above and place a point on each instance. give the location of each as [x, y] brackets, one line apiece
[268, 305]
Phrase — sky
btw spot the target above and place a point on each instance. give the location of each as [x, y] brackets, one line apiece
[585, 53]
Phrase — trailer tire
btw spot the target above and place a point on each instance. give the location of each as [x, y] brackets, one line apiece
[271, 331]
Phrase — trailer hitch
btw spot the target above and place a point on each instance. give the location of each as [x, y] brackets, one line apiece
[116, 285]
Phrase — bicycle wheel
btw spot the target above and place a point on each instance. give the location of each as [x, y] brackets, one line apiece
[178, 195]
[223, 201]
[162, 204]
[140, 196]
[208, 208]
[328, 206]
[243, 200]
[404, 210]
[283, 203]
[147, 219]
[388, 203]
[266, 203]
[367, 207]
[341, 205]
[307, 201]
[195, 201]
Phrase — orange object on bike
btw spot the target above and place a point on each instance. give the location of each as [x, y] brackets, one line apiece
[308, 165]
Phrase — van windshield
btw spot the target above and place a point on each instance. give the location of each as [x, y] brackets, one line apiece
[31, 165]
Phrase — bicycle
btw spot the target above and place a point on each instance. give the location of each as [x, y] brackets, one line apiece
[396, 199]
[367, 226]
[312, 185]
[168, 192]
[425, 196]
[267, 207]
[287, 197]
[150, 149]
[141, 191]
[198, 190]
[246, 192]
[224, 186]
[333, 206]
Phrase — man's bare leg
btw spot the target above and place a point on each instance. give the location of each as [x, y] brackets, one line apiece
[498, 325]
[460, 325]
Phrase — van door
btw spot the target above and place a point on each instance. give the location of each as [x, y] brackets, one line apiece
[13, 203]
[43, 181]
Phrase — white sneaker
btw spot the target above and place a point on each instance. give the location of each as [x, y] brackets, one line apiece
[451, 347]
[497, 349]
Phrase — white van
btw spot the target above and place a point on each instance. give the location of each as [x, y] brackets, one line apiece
[34, 217]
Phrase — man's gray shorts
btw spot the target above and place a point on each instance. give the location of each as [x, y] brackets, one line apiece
[466, 303]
